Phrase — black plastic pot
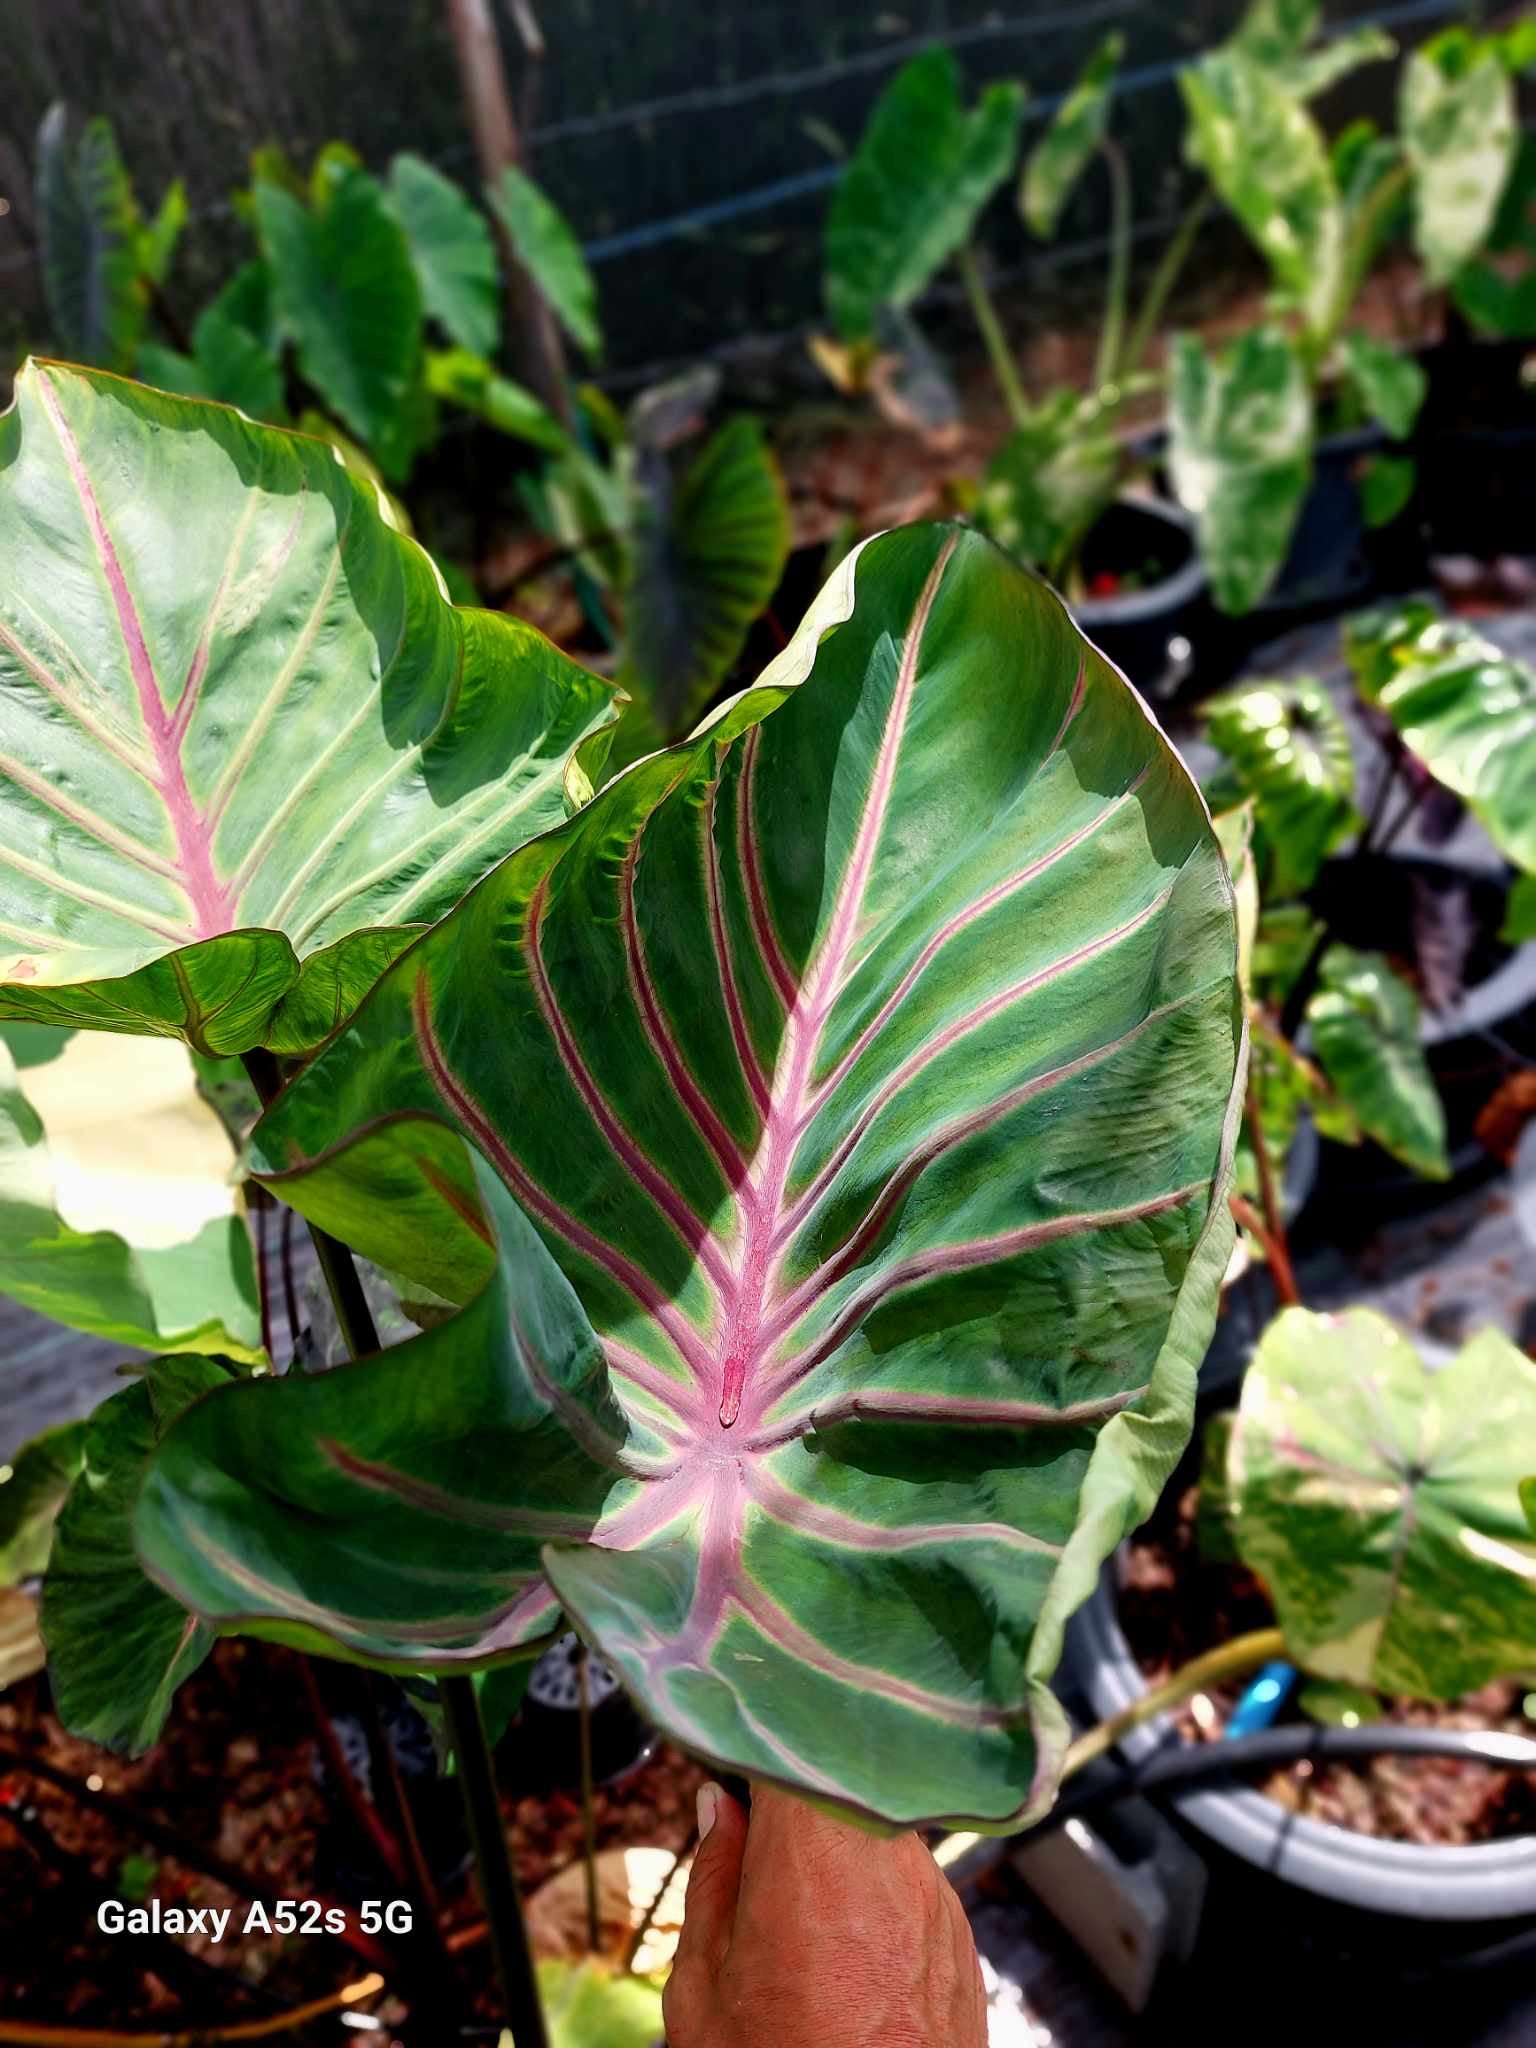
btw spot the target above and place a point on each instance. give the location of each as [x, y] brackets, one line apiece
[1149, 633]
[1476, 447]
[1484, 1885]
[544, 1752]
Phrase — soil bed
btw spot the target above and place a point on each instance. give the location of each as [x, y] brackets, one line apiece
[1172, 1606]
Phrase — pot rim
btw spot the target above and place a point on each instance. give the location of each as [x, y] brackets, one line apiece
[1466, 1882]
[1132, 607]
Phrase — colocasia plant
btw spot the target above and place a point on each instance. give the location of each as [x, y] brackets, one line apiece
[1243, 422]
[813, 1146]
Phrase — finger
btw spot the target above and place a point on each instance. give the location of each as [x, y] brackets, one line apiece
[713, 1882]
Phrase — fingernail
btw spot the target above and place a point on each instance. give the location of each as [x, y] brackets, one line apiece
[710, 1796]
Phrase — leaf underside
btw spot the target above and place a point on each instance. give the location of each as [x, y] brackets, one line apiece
[249, 748]
[867, 1068]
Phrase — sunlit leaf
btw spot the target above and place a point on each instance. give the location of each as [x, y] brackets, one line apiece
[344, 282]
[913, 189]
[1365, 1025]
[470, 381]
[453, 251]
[1377, 1498]
[1289, 749]
[249, 748]
[1461, 133]
[586, 2006]
[1067, 147]
[547, 247]
[1266, 156]
[869, 1066]
[1240, 455]
[117, 1646]
[117, 1213]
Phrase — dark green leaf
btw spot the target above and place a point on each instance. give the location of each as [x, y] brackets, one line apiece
[1386, 488]
[1240, 455]
[1365, 1024]
[159, 237]
[1067, 147]
[249, 747]
[33, 1488]
[90, 230]
[1391, 384]
[1377, 1498]
[118, 1647]
[839, 1053]
[1520, 913]
[346, 288]
[913, 189]
[453, 251]
[546, 246]
[708, 552]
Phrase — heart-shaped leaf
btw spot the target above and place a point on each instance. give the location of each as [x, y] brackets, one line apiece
[1365, 1024]
[912, 191]
[347, 291]
[545, 244]
[1266, 156]
[1377, 1497]
[1464, 707]
[453, 251]
[870, 1068]
[1289, 749]
[116, 1211]
[248, 746]
[1461, 133]
[1240, 455]
[1066, 149]
[118, 1647]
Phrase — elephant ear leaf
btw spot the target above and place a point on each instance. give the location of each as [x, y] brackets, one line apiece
[914, 188]
[250, 749]
[838, 1053]
[117, 1214]
[1066, 149]
[1365, 1025]
[1288, 748]
[1378, 1497]
[545, 243]
[90, 229]
[1460, 130]
[709, 551]
[451, 247]
[118, 1647]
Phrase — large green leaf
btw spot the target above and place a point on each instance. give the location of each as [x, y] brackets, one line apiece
[545, 243]
[1067, 147]
[453, 251]
[116, 1211]
[707, 554]
[34, 1484]
[1464, 707]
[88, 222]
[227, 363]
[1240, 455]
[346, 288]
[1460, 130]
[870, 1068]
[248, 746]
[913, 188]
[1365, 1024]
[1266, 157]
[1288, 747]
[1377, 1497]
[118, 1647]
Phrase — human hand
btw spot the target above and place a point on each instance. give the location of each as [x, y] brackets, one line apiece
[808, 1933]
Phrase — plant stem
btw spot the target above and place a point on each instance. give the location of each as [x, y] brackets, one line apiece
[1112, 332]
[1164, 278]
[488, 1835]
[1276, 1242]
[588, 1816]
[493, 1861]
[1228, 1660]
[365, 1816]
[998, 352]
[1244, 1213]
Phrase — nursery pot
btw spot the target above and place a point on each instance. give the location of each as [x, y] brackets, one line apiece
[545, 1751]
[1150, 629]
[1476, 447]
[1485, 1882]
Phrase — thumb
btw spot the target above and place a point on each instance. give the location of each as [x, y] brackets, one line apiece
[713, 1882]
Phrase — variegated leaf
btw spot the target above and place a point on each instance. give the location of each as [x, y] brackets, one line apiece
[870, 1069]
